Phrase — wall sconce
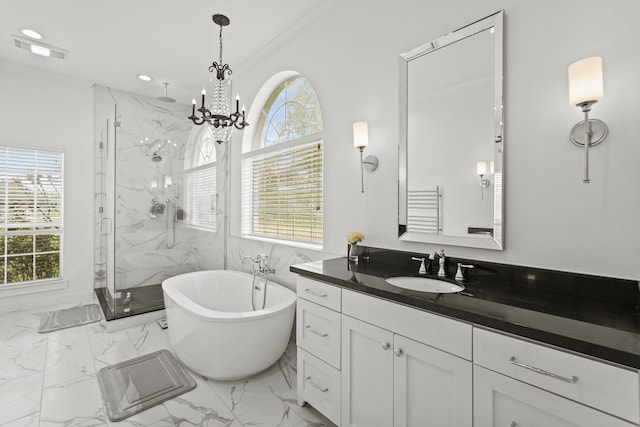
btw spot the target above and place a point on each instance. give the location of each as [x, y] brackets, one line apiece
[360, 141]
[585, 89]
[481, 168]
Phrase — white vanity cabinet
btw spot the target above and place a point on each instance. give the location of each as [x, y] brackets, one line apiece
[368, 362]
[392, 372]
[519, 383]
[318, 340]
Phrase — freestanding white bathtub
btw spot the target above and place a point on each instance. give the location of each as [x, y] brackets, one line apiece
[213, 328]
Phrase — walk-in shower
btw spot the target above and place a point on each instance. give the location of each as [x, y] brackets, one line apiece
[140, 231]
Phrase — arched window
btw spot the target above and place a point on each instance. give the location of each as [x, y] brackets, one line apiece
[282, 170]
[200, 179]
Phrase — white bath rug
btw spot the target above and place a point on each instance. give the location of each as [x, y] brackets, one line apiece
[134, 385]
[69, 317]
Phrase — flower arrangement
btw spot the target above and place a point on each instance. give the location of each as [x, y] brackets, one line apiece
[354, 237]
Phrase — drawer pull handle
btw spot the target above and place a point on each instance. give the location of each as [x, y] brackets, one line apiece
[571, 380]
[386, 345]
[313, 331]
[315, 293]
[316, 386]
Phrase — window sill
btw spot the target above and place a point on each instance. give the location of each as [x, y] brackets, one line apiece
[24, 288]
[293, 243]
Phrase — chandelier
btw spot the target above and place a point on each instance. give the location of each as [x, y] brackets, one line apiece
[215, 110]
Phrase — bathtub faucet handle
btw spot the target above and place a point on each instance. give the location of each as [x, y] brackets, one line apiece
[263, 264]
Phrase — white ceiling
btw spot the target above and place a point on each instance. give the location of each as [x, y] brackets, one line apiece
[110, 42]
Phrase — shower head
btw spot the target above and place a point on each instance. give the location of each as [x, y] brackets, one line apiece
[156, 157]
[165, 98]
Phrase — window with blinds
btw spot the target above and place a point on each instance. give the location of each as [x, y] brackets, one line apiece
[283, 194]
[200, 199]
[282, 176]
[31, 221]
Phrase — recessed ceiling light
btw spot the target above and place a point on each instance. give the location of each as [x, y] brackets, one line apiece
[144, 77]
[32, 34]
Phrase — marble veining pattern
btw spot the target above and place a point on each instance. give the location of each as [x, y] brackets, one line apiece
[50, 380]
[139, 196]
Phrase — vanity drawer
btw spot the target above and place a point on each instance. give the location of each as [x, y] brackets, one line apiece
[319, 292]
[319, 385]
[318, 331]
[434, 330]
[597, 384]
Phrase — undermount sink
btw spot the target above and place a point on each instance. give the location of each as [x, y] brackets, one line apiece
[425, 284]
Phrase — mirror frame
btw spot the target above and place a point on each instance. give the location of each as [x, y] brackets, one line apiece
[495, 21]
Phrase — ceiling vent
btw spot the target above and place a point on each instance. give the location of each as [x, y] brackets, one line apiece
[38, 48]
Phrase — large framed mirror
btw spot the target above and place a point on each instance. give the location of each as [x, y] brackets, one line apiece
[452, 138]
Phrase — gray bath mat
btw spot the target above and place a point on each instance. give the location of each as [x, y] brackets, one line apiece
[135, 385]
[69, 317]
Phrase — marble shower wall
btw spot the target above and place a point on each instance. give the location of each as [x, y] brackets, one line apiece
[141, 197]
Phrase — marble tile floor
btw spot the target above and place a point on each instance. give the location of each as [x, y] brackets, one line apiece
[50, 380]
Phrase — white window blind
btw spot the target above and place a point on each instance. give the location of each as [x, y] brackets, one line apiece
[31, 220]
[200, 196]
[282, 193]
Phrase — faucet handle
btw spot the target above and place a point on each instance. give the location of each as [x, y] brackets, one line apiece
[422, 269]
[459, 274]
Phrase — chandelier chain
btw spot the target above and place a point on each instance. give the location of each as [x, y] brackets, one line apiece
[220, 44]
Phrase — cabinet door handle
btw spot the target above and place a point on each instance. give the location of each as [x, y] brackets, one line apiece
[313, 331]
[513, 424]
[386, 345]
[315, 293]
[571, 380]
[398, 352]
[316, 386]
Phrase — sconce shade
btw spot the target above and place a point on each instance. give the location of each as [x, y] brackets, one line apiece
[360, 134]
[482, 168]
[585, 81]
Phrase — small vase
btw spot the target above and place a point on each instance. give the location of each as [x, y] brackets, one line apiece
[353, 252]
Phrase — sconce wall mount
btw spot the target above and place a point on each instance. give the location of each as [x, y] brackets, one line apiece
[361, 141]
[585, 89]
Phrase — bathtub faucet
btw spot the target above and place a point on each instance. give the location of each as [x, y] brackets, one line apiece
[263, 264]
[260, 264]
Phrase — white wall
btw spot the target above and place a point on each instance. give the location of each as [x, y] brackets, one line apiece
[552, 219]
[41, 110]
[350, 56]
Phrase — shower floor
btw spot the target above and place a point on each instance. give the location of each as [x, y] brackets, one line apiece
[144, 299]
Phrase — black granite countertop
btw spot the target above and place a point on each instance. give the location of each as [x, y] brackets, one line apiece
[594, 316]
